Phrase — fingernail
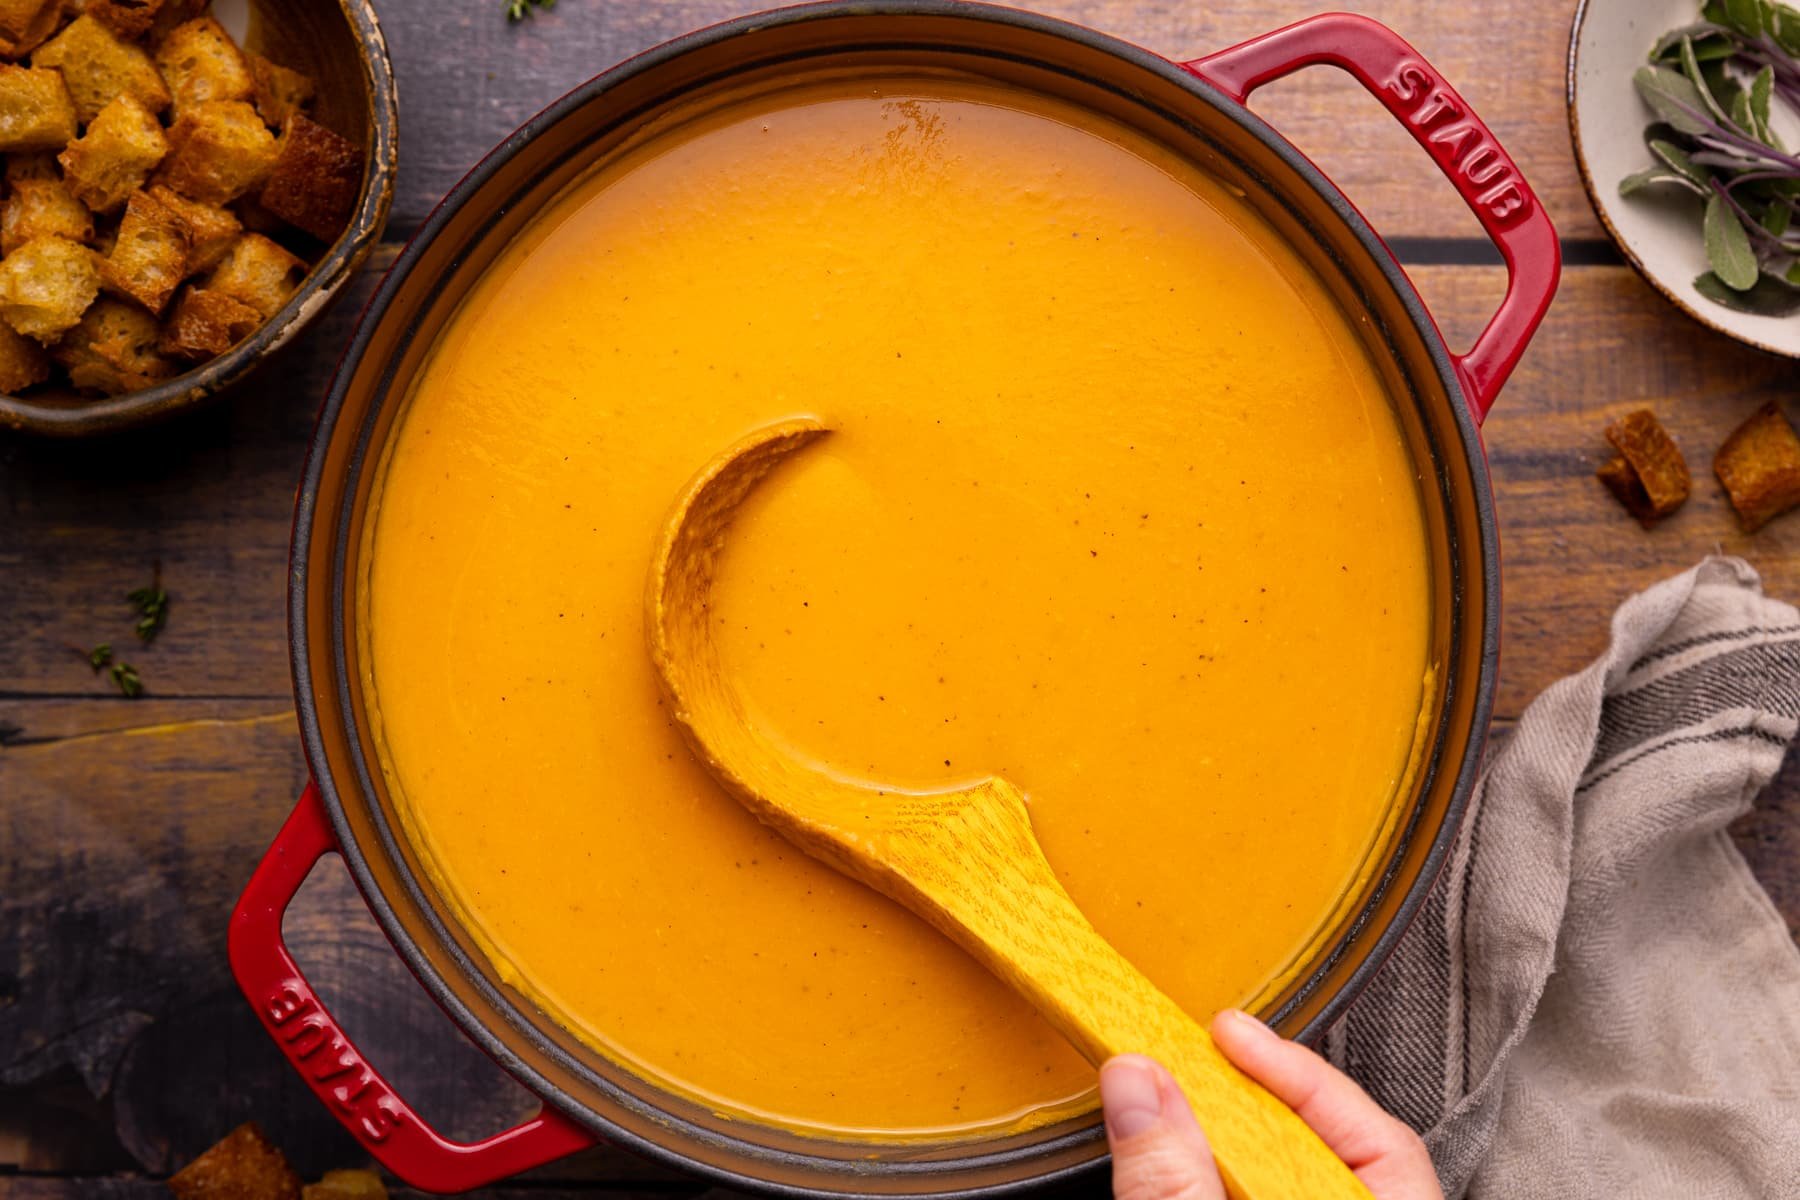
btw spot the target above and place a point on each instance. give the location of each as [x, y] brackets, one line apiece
[1131, 1097]
[1246, 1023]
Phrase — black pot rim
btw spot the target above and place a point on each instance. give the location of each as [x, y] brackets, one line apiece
[495, 1041]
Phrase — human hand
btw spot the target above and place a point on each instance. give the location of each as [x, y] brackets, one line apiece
[1159, 1152]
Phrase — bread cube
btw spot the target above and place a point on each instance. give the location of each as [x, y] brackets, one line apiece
[22, 361]
[243, 1165]
[1759, 464]
[42, 208]
[116, 154]
[170, 13]
[35, 110]
[346, 1185]
[45, 286]
[205, 324]
[150, 258]
[97, 66]
[1648, 476]
[316, 179]
[26, 23]
[279, 91]
[259, 273]
[218, 150]
[129, 19]
[201, 63]
[113, 350]
[210, 231]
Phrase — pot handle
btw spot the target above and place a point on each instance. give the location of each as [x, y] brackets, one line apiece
[1457, 140]
[316, 1046]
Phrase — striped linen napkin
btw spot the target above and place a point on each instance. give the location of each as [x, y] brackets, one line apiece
[1598, 999]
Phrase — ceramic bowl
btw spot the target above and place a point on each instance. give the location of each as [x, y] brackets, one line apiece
[1659, 233]
[339, 43]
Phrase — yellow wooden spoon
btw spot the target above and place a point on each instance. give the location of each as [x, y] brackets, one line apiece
[963, 859]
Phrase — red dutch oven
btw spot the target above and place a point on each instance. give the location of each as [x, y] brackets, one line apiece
[1195, 107]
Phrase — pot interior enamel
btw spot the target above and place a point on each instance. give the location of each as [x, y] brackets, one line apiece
[623, 109]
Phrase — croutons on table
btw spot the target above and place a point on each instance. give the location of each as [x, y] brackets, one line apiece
[243, 1164]
[1648, 475]
[1759, 464]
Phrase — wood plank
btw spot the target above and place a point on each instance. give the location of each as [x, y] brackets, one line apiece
[467, 79]
[138, 825]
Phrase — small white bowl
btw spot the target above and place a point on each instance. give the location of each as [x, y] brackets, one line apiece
[1659, 234]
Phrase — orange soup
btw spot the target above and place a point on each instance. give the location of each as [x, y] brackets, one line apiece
[1117, 507]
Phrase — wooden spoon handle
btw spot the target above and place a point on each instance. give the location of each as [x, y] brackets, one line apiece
[981, 878]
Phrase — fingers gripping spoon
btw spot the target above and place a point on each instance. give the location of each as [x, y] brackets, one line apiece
[964, 859]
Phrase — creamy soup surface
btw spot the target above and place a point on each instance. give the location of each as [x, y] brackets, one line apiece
[1116, 508]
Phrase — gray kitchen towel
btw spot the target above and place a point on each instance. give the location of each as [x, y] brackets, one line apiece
[1598, 999]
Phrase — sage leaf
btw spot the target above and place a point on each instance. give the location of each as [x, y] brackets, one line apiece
[1690, 67]
[1728, 246]
[1786, 28]
[1656, 176]
[1746, 16]
[1762, 90]
[1678, 161]
[1673, 97]
[1769, 298]
[1707, 36]
[1741, 115]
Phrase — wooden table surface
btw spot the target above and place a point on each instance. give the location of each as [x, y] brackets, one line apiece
[127, 828]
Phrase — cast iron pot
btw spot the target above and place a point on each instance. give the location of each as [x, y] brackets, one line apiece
[1198, 109]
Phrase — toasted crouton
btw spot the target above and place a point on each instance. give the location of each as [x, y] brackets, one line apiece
[22, 361]
[346, 1185]
[116, 154]
[172, 13]
[24, 24]
[205, 324]
[210, 231]
[279, 90]
[150, 257]
[316, 179]
[35, 110]
[201, 63]
[1653, 480]
[98, 66]
[1759, 464]
[113, 349]
[42, 208]
[45, 286]
[218, 150]
[257, 272]
[130, 19]
[243, 1165]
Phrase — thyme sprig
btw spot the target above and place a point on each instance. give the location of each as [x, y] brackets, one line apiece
[152, 605]
[518, 10]
[1713, 85]
[123, 674]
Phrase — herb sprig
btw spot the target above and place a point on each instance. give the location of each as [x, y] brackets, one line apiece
[518, 10]
[1713, 85]
[123, 674]
[152, 605]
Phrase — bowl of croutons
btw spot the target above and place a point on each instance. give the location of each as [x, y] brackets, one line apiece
[186, 186]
